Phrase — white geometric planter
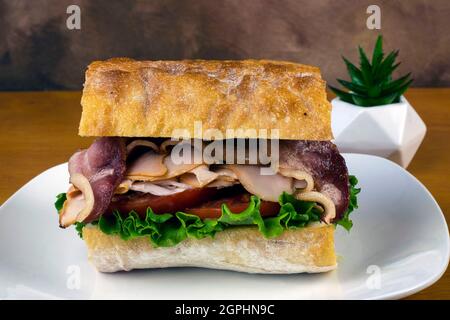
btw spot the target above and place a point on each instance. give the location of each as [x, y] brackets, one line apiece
[392, 131]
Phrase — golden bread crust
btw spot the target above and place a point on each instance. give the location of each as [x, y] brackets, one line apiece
[244, 249]
[124, 97]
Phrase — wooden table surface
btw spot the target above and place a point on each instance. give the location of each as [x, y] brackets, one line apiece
[39, 130]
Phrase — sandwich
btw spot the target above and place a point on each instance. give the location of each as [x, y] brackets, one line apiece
[214, 164]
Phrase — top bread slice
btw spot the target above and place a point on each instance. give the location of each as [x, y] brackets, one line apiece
[124, 97]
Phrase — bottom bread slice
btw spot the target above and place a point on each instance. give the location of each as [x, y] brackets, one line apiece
[244, 249]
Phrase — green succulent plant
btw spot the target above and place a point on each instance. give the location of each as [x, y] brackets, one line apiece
[371, 84]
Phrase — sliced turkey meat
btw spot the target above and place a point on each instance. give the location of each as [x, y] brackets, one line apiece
[199, 177]
[74, 204]
[160, 188]
[267, 187]
[141, 143]
[148, 166]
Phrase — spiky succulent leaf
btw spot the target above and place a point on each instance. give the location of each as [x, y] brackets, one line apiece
[344, 96]
[396, 85]
[354, 72]
[371, 84]
[366, 68]
[377, 55]
[352, 86]
[387, 67]
[403, 88]
[367, 101]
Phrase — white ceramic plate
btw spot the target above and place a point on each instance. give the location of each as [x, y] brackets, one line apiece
[399, 245]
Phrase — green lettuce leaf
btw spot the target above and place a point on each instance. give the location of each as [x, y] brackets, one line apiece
[166, 230]
[60, 199]
[170, 229]
[79, 228]
[353, 204]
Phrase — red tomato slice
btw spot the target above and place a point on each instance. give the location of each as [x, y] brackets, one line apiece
[212, 209]
[203, 202]
[139, 202]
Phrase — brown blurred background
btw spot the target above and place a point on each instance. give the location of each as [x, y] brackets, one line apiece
[38, 51]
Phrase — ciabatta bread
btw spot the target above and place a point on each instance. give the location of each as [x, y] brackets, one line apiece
[309, 249]
[123, 97]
